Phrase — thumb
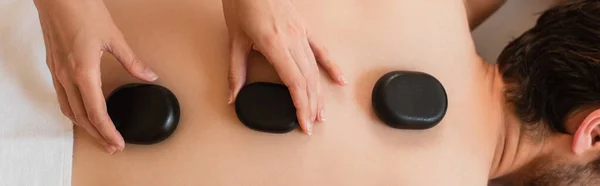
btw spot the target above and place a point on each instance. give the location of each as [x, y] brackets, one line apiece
[121, 50]
[237, 67]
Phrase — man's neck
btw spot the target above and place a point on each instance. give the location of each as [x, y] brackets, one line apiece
[513, 149]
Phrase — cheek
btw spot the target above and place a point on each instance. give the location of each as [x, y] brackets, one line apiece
[564, 174]
[560, 170]
[534, 171]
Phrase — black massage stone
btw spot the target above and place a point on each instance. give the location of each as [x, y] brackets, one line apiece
[266, 107]
[409, 100]
[143, 113]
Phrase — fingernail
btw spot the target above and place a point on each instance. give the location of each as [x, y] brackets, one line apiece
[109, 149]
[343, 80]
[118, 148]
[71, 117]
[322, 115]
[309, 127]
[150, 73]
[230, 97]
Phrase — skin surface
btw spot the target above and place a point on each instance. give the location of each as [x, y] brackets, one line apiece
[186, 44]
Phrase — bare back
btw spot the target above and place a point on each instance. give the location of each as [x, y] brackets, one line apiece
[185, 42]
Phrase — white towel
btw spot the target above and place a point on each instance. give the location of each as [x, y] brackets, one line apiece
[509, 22]
[36, 141]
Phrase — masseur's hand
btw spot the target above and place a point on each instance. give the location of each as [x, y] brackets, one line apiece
[76, 33]
[274, 28]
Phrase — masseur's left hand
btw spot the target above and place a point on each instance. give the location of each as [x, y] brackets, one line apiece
[274, 28]
[76, 34]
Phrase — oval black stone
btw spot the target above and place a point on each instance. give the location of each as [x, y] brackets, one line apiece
[266, 107]
[409, 100]
[143, 113]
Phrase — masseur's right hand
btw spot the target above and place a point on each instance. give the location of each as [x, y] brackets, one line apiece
[274, 28]
[76, 33]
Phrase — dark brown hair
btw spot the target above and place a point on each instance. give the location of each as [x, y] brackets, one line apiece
[554, 68]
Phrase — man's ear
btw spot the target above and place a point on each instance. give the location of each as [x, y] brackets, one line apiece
[588, 133]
